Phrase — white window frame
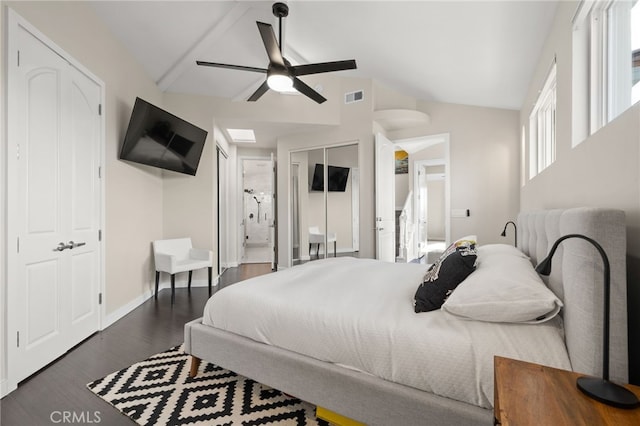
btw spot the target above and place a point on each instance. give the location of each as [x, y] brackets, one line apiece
[542, 127]
[602, 66]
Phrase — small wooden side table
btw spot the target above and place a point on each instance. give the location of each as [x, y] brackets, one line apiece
[531, 394]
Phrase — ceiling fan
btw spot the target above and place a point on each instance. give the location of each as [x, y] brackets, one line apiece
[281, 75]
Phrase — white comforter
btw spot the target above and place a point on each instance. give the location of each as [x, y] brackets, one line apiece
[358, 313]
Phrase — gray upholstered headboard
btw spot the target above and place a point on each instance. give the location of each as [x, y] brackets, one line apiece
[577, 279]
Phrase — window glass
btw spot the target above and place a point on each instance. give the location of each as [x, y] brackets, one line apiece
[542, 127]
[606, 63]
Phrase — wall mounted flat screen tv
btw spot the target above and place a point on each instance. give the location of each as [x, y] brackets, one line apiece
[337, 177]
[158, 138]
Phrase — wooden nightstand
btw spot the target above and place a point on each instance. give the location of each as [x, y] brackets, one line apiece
[532, 394]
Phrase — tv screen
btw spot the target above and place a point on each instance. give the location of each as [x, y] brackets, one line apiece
[337, 177]
[158, 138]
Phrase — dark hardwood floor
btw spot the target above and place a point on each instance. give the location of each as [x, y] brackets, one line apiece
[151, 328]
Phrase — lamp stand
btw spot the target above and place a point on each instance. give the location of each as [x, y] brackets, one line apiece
[607, 392]
[599, 389]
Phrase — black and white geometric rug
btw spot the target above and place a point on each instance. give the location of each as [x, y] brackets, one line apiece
[159, 391]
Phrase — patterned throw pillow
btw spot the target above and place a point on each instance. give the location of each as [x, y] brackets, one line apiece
[455, 264]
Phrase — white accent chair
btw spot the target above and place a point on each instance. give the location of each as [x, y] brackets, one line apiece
[178, 255]
[316, 237]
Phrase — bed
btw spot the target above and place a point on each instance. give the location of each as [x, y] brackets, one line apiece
[301, 359]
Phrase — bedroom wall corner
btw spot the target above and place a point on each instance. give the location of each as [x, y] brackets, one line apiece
[133, 194]
[189, 202]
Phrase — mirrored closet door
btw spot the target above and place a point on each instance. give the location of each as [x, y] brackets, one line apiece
[324, 218]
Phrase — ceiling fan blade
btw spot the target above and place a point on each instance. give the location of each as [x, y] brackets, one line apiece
[271, 44]
[258, 93]
[303, 88]
[324, 67]
[232, 67]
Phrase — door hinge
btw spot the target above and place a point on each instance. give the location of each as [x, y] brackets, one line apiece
[18, 245]
[99, 172]
[17, 338]
[99, 109]
[99, 234]
[18, 58]
[18, 151]
[99, 298]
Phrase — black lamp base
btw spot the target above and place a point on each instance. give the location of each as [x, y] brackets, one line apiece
[607, 392]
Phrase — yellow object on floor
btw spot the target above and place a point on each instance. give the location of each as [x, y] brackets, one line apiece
[335, 418]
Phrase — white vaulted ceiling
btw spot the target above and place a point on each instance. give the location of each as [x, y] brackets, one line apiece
[473, 52]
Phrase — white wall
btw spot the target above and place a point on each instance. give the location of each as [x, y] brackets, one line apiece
[602, 171]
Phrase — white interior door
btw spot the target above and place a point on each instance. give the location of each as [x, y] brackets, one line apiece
[385, 199]
[56, 128]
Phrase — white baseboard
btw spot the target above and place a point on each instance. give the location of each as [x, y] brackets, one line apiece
[124, 310]
[5, 389]
[231, 265]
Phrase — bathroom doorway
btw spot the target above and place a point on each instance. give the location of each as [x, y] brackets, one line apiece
[258, 211]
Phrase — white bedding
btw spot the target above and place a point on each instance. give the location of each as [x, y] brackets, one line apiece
[358, 313]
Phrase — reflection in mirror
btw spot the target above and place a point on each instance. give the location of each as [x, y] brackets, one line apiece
[343, 201]
[295, 211]
[315, 212]
[320, 225]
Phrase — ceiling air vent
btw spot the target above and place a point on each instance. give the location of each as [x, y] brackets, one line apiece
[352, 97]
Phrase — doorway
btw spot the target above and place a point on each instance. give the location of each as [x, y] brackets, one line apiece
[258, 211]
[419, 195]
[429, 178]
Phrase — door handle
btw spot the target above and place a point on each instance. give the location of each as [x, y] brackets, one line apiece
[73, 245]
[62, 246]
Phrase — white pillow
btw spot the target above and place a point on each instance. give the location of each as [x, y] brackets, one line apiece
[491, 250]
[503, 288]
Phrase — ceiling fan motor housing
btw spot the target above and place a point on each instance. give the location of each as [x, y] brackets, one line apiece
[280, 10]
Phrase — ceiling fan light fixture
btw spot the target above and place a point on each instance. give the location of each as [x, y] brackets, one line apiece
[280, 82]
[282, 77]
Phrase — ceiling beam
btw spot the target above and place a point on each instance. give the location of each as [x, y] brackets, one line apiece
[201, 46]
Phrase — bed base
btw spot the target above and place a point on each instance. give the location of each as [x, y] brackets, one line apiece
[353, 394]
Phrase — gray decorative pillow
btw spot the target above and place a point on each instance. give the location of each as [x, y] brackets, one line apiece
[455, 264]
